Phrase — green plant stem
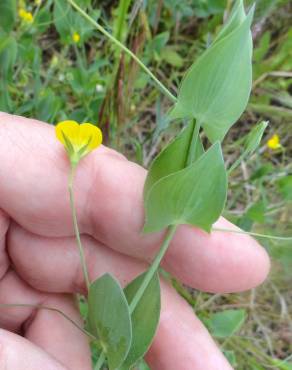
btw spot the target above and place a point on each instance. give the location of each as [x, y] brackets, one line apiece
[235, 164]
[125, 49]
[75, 224]
[273, 237]
[100, 361]
[41, 307]
[153, 267]
[167, 239]
[193, 144]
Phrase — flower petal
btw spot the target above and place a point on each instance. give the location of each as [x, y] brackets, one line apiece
[90, 134]
[70, 129]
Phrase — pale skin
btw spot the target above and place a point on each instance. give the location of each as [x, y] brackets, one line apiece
[39, 260]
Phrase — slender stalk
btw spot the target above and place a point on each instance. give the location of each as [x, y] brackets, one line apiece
[37, 306]
[273, 237]
[193, 144]
[125, 49]
[100, 361]
[153, 268]
[170, 232]
[165, 244]
[235, 164]
[75, 224]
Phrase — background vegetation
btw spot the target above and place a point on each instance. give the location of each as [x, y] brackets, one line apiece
[54, 65]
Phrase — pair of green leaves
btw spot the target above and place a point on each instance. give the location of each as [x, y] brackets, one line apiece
[125, 336]
[177, 193]
[213, 93]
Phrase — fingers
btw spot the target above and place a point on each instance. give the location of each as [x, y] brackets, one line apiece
[220, 262]
[182, 342]
[47, 329]
[53, 264]
[59, 337]
[110, 208]
[178, 328]
[17, 353]
[64, 274]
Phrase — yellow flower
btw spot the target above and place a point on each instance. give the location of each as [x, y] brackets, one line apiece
[21, 13]
[78, 140]
[25, 16]
[76, 37]
[274, 142]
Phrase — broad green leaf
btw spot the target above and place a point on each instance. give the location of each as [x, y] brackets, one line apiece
[172, 158]
[216, 89]
[145, 318]
[236, 17]
[195, 195]
[109, 319]
[226, 323]
[7, 14]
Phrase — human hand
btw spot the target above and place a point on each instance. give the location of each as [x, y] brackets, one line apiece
[39, 261]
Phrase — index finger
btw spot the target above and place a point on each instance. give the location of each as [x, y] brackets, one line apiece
[33, 191]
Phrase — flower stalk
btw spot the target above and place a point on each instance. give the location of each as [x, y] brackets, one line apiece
[75, 224]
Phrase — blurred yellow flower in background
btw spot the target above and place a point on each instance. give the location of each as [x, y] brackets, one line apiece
[76, 37]
[78, 139]
[274, 142]
[25, 16]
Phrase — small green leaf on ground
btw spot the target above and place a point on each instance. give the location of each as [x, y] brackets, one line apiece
[226, 323]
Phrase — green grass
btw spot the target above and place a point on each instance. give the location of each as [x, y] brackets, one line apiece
[46, 75]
